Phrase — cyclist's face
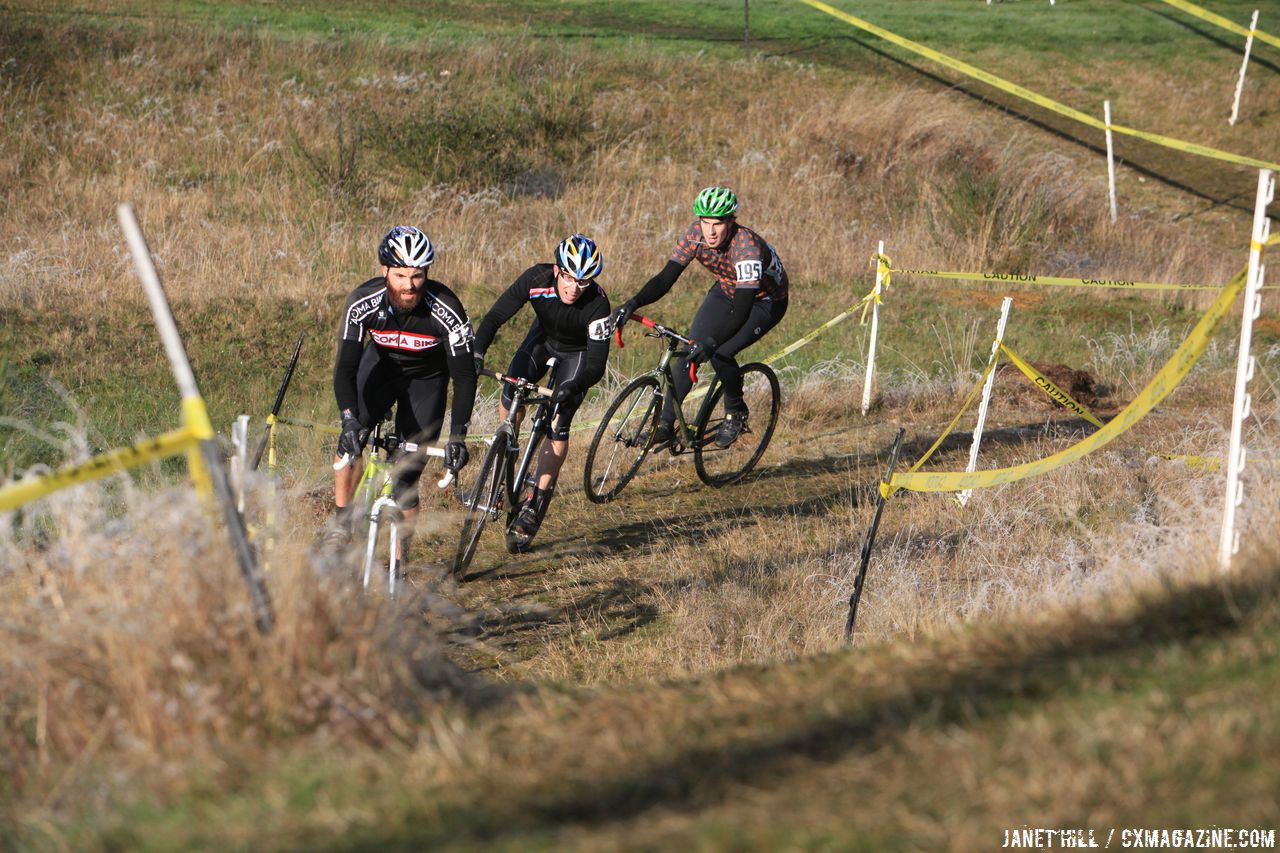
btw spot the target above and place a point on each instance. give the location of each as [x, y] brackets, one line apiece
[715, 231]
[569, 288]
[404, 286]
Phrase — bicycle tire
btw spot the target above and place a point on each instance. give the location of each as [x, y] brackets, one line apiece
[484, 501]
[721, 466]
[538, 433]
[623, 441]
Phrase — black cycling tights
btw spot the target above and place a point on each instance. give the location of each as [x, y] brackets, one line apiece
[419, 412]
[713, 317]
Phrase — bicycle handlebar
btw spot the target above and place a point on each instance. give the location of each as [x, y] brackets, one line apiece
[410, 447]
[534, 388]
[662, 332]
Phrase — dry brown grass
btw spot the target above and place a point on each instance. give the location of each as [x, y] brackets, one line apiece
[257, 168]
[253, 174]
[130, 636]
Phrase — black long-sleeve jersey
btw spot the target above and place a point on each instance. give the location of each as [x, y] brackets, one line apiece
[432, 339]
[584, 325]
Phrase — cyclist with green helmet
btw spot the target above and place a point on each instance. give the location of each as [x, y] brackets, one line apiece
[748, 298]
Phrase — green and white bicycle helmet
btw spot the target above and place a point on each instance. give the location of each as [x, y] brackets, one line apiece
[716, 203]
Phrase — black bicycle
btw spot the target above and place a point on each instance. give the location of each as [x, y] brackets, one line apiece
[625, 435]
[505, 474]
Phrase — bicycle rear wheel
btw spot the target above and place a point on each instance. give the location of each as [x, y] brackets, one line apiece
[622, 440]
[721, 465]
[484, 501]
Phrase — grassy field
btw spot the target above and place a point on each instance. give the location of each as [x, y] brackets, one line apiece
[665, 670]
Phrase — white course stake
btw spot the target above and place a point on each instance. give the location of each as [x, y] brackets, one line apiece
[1244, 66]
[1111, 159]
[238, 463]
[1229, 541]
[205, 463]
[871, 347]
[986, 398]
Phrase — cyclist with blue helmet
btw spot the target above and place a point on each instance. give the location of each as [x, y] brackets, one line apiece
[403, 337]
[572, 324]
[748, 298]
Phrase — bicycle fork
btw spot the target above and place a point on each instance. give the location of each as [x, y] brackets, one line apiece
[371, 546]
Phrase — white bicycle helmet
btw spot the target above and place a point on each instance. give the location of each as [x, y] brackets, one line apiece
[406, 246]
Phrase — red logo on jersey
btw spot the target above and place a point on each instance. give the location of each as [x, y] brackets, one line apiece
[404, 340]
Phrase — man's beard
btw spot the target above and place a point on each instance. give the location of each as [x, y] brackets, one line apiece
[404, 303]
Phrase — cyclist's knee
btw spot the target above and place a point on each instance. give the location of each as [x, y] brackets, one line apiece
[405, 489]
[561, 425]
[407, 496]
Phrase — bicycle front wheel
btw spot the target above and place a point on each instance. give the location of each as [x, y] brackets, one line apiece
[622, 440]
[722, 458]
[483, 502]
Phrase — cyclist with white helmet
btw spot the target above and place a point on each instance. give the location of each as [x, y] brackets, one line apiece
[748, 298]
[403, 337]
[572, 323]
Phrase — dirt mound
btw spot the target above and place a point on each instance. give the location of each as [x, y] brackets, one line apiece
[1014, 389]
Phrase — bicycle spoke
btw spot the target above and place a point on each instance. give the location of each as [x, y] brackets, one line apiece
[622, 440]
[484, 502]
[722, 458]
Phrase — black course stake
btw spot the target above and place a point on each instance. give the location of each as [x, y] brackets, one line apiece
[275, 409]
[871, 538]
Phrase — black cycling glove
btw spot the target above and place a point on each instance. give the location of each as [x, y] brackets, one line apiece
[455, 454]
[478, 358]
[624, 312]
[700, 351]
[354, 435]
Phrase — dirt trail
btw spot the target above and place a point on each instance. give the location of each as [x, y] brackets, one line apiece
[600, 573]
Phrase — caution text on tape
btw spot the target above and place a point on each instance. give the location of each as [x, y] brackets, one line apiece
[1173, 372]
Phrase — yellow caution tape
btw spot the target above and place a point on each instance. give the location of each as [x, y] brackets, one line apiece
[1271, 241]
[1040, 100]
[1046, 385]
[1205, 14]
[883, 267]
[1207, 463]
[196, 417]
[968, 401]
[1210, 463]
[169, 444]
[864, 303]
[1173, 372]
[1056, 281]
[332, 430]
